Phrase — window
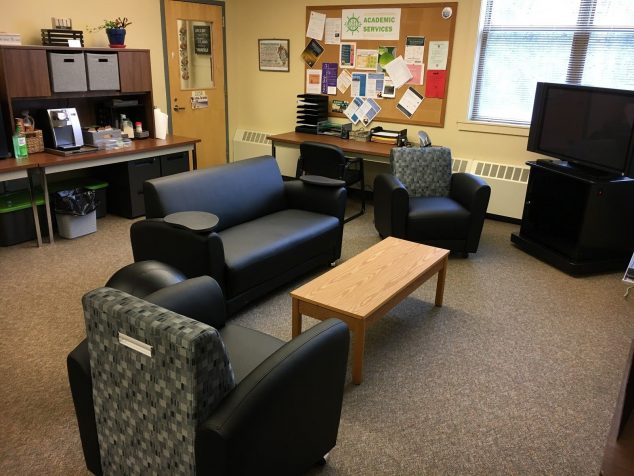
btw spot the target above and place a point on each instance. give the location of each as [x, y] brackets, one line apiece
[521, 42]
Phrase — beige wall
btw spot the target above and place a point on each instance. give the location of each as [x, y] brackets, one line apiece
[27, 18]
[265, 101]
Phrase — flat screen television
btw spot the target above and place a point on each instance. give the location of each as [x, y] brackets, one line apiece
[587, 126]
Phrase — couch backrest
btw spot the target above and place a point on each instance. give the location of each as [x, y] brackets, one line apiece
[156, 377]
[236, 192]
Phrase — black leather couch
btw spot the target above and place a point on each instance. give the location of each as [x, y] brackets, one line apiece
[282, 416]
[269, 233]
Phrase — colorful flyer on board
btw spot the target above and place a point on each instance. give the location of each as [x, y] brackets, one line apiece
[352, 109]
[344, 81]
[312, 52]
[367, 59]
[329, 78]
[410, 102]
[313, 81]
[347, 55]
[368, 111]
[374, 87]
[359, 82]
[435, 83]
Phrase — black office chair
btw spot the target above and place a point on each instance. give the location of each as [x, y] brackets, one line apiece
[327, 160]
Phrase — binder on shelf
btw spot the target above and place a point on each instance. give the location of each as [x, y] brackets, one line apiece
[311, 109]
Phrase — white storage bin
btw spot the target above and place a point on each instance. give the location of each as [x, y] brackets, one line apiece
[72, 226]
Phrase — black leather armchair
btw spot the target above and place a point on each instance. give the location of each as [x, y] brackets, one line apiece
[453, 222]
[283, 414]
[328, 160]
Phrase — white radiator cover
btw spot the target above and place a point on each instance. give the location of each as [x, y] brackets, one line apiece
[247, 144]
[508, 182]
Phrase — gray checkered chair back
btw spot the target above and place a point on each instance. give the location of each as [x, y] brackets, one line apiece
[148, 407]
[424, 171]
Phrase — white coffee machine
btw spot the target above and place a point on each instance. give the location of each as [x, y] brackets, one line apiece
[65, 127]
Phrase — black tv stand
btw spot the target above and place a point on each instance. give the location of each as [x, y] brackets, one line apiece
[577, 170]
[576, 221]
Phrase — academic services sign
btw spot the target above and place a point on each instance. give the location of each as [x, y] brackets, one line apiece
[374, 24]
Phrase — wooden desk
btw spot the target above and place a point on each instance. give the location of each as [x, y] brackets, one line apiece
[349, 146]
[12, 169]
[48, 163]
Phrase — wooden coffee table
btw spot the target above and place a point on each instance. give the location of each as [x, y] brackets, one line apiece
[366, 287]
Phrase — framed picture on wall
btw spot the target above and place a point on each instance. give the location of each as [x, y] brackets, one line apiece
[274, 55]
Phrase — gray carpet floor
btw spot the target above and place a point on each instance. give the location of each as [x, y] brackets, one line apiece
[518, 372]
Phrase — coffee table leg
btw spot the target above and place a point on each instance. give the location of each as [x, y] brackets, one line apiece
[297, 319]
[440, 285]
[358, 347]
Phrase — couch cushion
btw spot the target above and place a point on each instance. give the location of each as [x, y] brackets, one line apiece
[236, 192]
[264, 248]
[424, 171]
[437, 218]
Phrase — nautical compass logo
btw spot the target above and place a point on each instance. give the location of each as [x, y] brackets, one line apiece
[353, 23]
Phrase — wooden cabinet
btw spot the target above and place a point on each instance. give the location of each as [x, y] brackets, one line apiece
[25, 84]
[135, 73]
[25, 72]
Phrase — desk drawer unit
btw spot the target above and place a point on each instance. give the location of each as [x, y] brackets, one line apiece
[125, 181]
[125, 193]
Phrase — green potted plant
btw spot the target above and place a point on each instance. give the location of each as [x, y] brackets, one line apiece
[115, 29]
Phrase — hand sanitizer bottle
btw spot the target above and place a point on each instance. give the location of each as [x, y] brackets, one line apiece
[20, 149]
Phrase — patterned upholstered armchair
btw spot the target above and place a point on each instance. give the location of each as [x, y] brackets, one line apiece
[422, 201]
[156, 392]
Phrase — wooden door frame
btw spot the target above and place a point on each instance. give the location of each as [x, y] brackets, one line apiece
[168, 100]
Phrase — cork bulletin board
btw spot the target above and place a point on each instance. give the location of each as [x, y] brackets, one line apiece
[428, 20]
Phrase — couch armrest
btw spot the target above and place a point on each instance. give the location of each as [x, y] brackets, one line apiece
[315, 198]
[391, 206]
[194, 254]
[284, 416]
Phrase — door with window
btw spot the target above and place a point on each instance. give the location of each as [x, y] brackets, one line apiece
[196, 67]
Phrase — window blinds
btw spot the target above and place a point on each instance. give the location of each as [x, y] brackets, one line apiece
[588, 42]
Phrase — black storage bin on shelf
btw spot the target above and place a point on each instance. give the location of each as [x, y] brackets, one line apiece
[16, 217]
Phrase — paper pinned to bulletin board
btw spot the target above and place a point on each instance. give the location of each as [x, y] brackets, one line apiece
[384, 53]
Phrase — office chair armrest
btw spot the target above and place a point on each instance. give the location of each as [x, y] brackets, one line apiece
[315, 198]
[284, 416]
[391, 206]
[471, 191]
[322, 181]
[194, 254]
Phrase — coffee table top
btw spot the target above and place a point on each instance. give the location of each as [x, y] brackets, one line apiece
[360, 286]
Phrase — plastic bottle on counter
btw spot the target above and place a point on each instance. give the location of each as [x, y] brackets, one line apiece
[19, 144]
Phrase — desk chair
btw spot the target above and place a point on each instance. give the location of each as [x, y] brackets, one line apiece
[329, 161]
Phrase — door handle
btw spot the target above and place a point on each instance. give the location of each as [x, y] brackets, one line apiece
[178, 108]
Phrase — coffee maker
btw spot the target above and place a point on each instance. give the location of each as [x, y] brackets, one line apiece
[65, 128]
